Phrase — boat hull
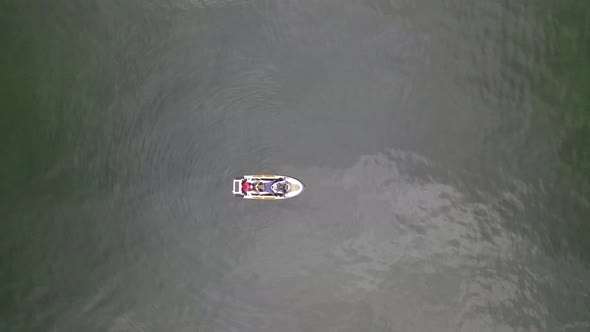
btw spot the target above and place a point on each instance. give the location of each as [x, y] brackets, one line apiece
[296, 187]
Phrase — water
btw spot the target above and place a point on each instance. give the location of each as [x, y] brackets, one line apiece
[444, 148]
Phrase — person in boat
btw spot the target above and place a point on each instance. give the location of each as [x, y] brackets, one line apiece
[247, 187]
[266, 188]
[281, 187]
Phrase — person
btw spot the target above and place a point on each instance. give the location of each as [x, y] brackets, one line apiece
[257, 186]
[246, 187]
[261, 187]
[280, 188]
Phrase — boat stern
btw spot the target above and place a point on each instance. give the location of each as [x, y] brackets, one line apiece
[237, 187]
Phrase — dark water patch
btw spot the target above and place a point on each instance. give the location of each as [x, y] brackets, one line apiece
[567, 58]
[565, 96]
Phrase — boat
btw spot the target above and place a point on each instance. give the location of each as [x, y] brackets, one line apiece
[266, 187]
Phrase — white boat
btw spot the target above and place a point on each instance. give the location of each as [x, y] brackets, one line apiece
[266, 187]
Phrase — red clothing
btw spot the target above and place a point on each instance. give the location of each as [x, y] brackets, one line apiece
[246, 186]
